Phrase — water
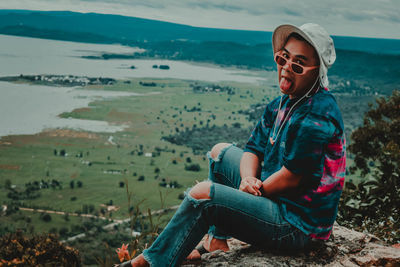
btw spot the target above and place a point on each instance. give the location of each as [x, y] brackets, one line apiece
[22, 55]
[29, 109]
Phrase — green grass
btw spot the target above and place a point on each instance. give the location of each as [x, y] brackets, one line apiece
[32, 222]
[149, 116]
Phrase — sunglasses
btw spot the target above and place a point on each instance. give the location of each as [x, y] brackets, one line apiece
[296, 68]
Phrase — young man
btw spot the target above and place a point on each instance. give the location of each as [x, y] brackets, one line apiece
[283, 189]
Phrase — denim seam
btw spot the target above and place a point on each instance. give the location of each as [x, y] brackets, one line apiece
[247, 214]
[175, 253]
[232, 185]
[193, 223]
[212, 190]
[195, 203]
[218, 159]
[288, 234]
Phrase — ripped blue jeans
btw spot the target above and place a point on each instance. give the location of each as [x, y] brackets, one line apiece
[253, 219]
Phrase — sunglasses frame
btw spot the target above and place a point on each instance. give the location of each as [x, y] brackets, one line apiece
[290, 62]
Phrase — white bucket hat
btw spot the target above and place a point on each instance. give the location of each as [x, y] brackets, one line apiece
[317, 37]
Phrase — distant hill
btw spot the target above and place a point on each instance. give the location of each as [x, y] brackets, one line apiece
[363, 65]
[103, 28]
[115, 28]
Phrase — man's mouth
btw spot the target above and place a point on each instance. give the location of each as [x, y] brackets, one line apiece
[285, 83]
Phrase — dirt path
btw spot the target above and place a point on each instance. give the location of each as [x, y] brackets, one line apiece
[106, 227]
[118, 222]
[69, 213]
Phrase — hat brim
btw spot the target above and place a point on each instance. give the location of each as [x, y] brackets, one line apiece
[282, 33]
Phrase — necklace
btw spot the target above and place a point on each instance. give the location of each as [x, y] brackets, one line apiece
[274, 136]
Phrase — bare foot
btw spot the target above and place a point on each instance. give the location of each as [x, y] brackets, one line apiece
[139, 261]
[215, 244]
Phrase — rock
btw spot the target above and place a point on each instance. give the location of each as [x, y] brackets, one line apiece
[345, 248]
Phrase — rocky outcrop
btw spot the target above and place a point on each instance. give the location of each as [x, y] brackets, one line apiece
[345, 248]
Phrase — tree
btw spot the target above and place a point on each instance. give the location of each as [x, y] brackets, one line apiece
[7, 183]
[45, 217]
[376, 149]
[193, 167]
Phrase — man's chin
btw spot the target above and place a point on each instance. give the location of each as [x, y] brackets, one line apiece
[285, 92]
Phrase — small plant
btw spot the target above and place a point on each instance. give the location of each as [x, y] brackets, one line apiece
[123, 253]
[138, 222]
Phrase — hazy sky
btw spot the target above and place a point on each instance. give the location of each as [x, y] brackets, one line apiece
[368, 18]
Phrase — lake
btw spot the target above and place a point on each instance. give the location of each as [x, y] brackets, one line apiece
[23, 55]
[29, 109]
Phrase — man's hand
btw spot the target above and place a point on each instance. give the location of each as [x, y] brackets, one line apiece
[251, 185]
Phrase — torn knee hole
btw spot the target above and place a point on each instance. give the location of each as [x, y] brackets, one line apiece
[201, 190]
[216, 150]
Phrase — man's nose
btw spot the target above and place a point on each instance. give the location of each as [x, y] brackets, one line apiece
[286, 66]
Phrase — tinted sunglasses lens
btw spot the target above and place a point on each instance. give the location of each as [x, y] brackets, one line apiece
[280, 60]
[297, 68]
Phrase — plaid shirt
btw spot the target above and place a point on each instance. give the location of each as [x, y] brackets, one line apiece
[311, 143]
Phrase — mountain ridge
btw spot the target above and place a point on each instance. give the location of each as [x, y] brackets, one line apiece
[127, 30]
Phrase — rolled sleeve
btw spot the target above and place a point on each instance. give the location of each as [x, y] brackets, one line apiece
[259, 136]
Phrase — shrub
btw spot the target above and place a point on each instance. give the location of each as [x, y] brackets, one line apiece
[193, 167]
[18, 249]
[63, 231]
[373, 204]
[45, 217]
